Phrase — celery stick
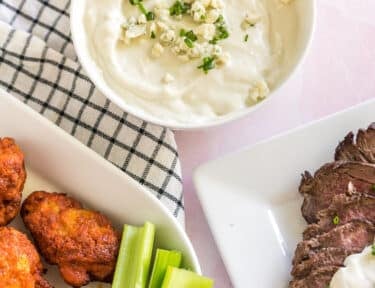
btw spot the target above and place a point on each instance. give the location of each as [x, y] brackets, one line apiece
[133, 262]
[185, 279]
[163, 259]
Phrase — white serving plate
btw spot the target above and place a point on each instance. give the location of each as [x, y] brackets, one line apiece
[57, 162]
[251, 198]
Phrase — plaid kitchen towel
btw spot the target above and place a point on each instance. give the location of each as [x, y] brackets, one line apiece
[38, 65]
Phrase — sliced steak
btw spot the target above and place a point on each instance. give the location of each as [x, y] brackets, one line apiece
[353, 237]
[319, 278]
[339, 204]
[333, 179]
[325, 257]
[360, 149]
[343, 209]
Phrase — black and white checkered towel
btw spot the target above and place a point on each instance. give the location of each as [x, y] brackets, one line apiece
[38, 65]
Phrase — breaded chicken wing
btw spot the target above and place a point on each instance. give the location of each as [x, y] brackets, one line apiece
[20, 265]
[81, 242]
[12, 179]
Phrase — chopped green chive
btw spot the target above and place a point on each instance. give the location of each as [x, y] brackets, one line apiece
[182, 32]
[149, 15]
[221, 34]
[189, 43]
[336, 220]
[179, 8]
[208, 64]
[142, 8]
[373, 250]
[190, 35]
[373, 187]
[220, 20]
[221, 31]
[153, 35]
[246, 37]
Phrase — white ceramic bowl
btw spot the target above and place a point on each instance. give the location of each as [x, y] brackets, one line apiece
[295, 53]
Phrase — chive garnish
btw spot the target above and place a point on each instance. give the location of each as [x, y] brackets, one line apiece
[336, 220]
[373, 250]
[221, 31]
[142, 8]
[149, 14]
[246, 37]
[153, 36]
[179, 8]
[189, 37]
[208, 64]
[220, 20]
[373, 187]
[189, 43]
[182, 32]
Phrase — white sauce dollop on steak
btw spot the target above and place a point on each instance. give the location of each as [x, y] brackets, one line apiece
[359, 271]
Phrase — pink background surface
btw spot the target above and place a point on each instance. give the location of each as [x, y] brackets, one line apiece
[338, 72]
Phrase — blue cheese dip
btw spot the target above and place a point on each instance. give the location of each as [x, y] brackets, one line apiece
[186, 61]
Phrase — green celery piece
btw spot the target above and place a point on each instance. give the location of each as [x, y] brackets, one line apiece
[133, 262]
[163, 259]
[185, 279]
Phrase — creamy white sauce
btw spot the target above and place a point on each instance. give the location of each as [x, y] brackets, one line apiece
[359, 271]
[190, 95]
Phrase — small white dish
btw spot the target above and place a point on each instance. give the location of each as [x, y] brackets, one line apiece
[55, 161]
[251, 198]
[295, 54]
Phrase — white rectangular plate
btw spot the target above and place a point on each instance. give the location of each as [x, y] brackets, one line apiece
[55, 161]
[251, 198]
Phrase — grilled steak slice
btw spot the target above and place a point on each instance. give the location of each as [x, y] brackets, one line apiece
[353, 237]
[333, 179]
[325, 257]
[342, 220]
[312, 231]
[319, 278]
[363, 149]
[343, 209]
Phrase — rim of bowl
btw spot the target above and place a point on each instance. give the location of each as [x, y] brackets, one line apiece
[104, 88]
